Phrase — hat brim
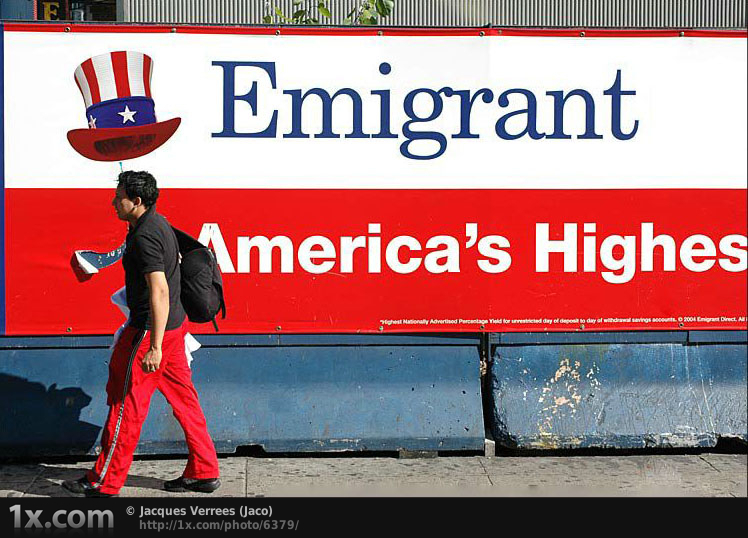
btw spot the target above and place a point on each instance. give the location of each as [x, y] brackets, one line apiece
[121, 143]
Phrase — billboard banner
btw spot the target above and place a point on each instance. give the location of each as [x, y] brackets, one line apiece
[462, 180]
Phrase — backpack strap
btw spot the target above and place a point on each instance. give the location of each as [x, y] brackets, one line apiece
[186, 242]
[223, 305]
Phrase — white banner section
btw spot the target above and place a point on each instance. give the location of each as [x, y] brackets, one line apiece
[395, 112]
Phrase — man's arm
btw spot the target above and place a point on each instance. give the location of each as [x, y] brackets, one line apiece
[158, 290]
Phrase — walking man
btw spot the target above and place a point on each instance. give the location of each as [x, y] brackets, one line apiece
[149, 353]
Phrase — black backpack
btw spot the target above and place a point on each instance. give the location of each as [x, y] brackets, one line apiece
[202, 286]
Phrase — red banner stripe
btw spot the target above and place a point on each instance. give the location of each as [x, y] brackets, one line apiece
[376, 30]
[46, 297]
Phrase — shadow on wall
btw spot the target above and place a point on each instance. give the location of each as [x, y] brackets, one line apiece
[43, 421]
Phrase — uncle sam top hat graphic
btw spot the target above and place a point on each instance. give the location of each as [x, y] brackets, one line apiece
[120, 111]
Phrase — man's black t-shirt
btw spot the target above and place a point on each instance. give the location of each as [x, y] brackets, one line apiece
[152, 246]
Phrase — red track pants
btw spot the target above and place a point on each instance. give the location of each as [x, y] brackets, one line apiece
[129, 392]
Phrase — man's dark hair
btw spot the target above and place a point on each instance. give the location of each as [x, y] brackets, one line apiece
[141, 184]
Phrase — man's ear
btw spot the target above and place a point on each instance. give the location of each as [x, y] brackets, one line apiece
[137, 201]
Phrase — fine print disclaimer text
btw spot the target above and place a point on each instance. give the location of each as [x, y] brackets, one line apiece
[546, 321]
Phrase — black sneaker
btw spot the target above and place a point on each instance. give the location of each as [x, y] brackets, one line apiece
[82, 487]
[77, 487]
[206, 485]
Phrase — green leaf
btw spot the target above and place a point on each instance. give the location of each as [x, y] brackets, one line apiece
[279, 12]
[297, 2]
[300, 13]
[267, 19]
[367, 18]
[313, 20]
[384, 7]
[347, 20]
[324, 11]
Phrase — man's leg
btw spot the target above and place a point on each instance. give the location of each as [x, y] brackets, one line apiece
[176, 386]
[129, 391]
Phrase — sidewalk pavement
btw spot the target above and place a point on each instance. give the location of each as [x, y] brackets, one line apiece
[651, 475]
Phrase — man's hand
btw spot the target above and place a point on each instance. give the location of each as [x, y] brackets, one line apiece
[152, 360]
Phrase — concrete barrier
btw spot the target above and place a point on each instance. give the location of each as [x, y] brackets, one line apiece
[623, 390]
[286, 393]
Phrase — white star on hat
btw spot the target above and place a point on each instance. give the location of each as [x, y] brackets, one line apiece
[128, 115]
[91, 122]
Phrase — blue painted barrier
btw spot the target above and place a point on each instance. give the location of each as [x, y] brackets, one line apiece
[320, 393]
[285, 393]
[573, 390]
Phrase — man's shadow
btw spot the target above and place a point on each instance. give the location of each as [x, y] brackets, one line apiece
[46, 479]
[37, 422]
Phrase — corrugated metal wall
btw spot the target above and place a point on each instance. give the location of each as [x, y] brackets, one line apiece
[589, 13]
[16, 9]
